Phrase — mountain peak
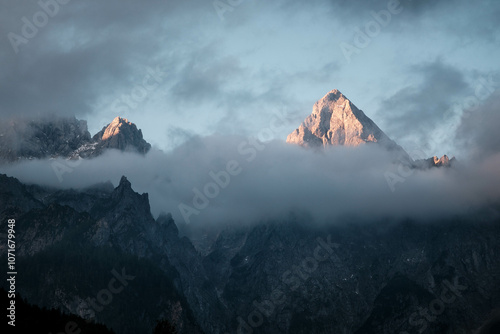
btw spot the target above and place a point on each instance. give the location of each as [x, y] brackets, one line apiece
[113, 128]
[124, 182]
[66, 138]
[123, 135]
[333, 95]
[335, 120]
[22, 138]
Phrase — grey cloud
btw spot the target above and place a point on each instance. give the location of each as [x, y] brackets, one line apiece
[205, 76]
[85, 52]
[177, 136]
[478, 132]
[278, 178]
[415, 112]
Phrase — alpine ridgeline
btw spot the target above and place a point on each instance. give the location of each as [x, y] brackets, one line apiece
[66, 138]
[335, 120]
[282, 276]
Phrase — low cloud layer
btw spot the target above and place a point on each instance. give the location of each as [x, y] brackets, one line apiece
[242, 181]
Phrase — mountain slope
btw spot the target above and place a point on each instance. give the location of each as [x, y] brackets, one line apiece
[335, 120]
[121, 135]
[275, 277]
[68, 252]
[37, 139]
[66, 138]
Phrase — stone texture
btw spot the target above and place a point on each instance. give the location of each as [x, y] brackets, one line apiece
[122, 135]
[375, 275]
[67, 138]
[444, 161]
[337, 121]
[39, 139]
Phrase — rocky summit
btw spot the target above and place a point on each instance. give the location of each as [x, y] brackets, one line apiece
[66, 138]
[444, 161]
[123, 135]
[335, 120]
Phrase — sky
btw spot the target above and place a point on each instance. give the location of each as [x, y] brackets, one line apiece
[181, 69]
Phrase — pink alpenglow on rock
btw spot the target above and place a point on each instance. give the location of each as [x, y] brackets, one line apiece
[335, 120]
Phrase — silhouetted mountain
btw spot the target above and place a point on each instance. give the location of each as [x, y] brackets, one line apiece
[283, 276]
[70, 253]
[33, 319]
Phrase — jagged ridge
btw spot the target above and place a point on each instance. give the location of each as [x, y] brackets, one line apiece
[67, 138]
[335, 120]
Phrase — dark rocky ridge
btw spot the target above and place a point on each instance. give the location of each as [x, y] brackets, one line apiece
[376, 275]
[66, 138]
[67, 252]
[37, 139]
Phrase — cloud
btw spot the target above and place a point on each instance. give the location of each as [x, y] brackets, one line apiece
[478, 132]
[417, 112]
[85, 52]
[245, 182]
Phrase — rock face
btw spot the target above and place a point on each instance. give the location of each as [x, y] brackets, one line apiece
[372, 278]
[67, 138]
[122, 135]
[336, 121]
[444, 161]
[42, 138]
[275, 277]
[100, 229]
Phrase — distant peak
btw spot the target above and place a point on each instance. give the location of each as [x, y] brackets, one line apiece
[123, 135]
[118, 119]
[444, 161]
[333, 95]
[124, 182]
[335, 120]
[114, 127]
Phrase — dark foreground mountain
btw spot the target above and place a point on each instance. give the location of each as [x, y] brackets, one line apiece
[288, 276]
[99, 255]
[33, 319]
[66, 138]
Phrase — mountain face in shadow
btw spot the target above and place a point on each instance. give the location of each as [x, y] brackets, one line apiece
[285, 276]
[66, 138]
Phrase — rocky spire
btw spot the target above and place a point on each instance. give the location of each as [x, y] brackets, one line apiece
[122, 135]
[336, 121]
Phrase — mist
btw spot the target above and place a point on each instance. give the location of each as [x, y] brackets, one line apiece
[237, 180]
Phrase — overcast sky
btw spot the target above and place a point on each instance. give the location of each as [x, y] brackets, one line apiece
[184, 68]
